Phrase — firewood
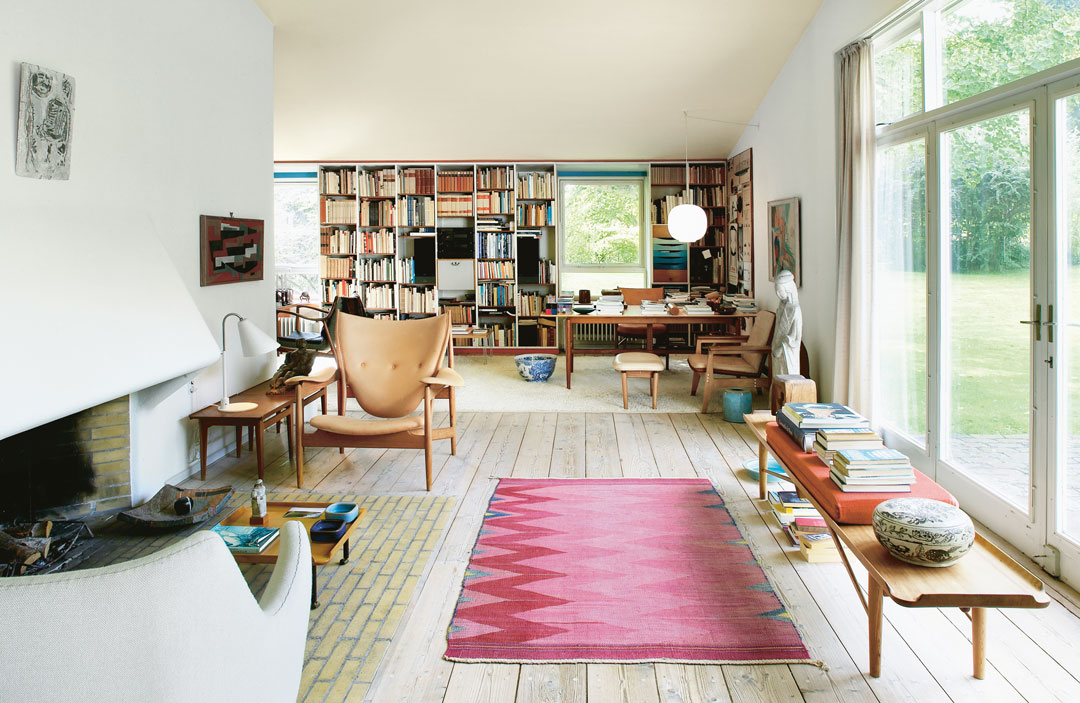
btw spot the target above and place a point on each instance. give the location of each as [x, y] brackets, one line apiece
[26, 550]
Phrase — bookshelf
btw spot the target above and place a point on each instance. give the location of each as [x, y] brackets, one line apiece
[479, 241]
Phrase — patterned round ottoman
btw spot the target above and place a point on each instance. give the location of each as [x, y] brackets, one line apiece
[922, 531]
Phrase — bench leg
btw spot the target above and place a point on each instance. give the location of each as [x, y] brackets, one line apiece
[876, 604]
[762, 464]
[625, 399]
[978, 641]
[654, 381]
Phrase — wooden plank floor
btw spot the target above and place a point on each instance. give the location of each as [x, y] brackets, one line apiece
[1033, 655]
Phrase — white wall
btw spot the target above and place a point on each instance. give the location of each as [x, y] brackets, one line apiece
[172, 119]
[795, 155]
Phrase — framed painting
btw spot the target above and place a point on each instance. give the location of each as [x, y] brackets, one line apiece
[230, 250]
[785, 237]
[46, 106]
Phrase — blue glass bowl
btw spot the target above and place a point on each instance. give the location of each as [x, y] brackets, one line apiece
[535, 367]
[343, 511]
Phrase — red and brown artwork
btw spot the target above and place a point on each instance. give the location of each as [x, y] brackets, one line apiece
[231, 250]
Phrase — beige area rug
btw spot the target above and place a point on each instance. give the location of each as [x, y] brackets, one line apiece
[495, 386]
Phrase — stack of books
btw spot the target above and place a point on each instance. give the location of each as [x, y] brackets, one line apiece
[698, 309]
[788, 507]
[829, 441]
[609, 305]
[872, 471]
[817, 548]
[241, 539]
[803, 420]
[651, 307]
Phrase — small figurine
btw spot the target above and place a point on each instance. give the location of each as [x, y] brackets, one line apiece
[258, 500]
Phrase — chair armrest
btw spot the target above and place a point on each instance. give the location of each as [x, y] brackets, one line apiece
[291, 577]
[729, 351]
[324, 376]
[717, 339]
[444, 377]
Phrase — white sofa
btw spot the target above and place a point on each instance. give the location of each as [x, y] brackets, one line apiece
[178, 625]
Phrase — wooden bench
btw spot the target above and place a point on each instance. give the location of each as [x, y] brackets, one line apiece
[984, 578]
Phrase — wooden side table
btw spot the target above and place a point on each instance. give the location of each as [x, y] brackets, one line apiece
[321, 552]
[482, 333]
[270, 410]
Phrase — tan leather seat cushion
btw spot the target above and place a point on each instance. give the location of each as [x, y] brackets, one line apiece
[638, 361]
[632, 329]
[343, 424]
[721, 364]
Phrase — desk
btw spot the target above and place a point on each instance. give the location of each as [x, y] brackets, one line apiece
[481, 333]
[985, 577]
[634, 315]
[269, 410]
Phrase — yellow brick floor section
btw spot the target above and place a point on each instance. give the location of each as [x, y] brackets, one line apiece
[361, 602]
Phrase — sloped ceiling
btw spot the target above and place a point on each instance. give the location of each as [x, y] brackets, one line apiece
[503, 79]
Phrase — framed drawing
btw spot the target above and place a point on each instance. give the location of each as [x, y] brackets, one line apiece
[230, 250]
[46, 104]
[785, 237]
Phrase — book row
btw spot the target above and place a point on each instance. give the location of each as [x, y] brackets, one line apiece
[337, 241]
[378, 242]
[407, 270]
[375, 269]
[676, 175]
[537, 332]
[417, 300]
[533, 303]
[495, 177]
[502, 335]
[460, 313]
[417, 211]
[336, 267]
[418, 181]
[495, 294]
[494, 269]
[536, 185]
[661, 207]
[378, 297]
[339, 212]
[337, 182]
[334, 288]
[498, 202]
[455, 181]
[711, 196]
[455, 206]
[378, 213]
[376, 184]
[494, 245]
[535, 214]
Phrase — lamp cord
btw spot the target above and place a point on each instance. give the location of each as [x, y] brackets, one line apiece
[686, 152]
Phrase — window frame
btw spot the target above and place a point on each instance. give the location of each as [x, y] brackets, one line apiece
[642, 264]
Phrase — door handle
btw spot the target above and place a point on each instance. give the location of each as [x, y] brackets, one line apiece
[1037, 322]
[1050, 324]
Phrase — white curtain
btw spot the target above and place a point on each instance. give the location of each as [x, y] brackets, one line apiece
[854, 219]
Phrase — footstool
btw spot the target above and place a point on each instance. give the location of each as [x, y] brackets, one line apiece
[639, 365]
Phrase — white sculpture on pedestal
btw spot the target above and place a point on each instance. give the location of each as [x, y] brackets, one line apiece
[787, 335]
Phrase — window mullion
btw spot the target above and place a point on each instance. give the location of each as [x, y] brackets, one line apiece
[933, 91]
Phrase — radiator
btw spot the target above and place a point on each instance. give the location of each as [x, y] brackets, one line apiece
[594, 333]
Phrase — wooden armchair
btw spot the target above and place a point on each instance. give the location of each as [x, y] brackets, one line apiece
[391, 367]
[634, 330]
[745, 359]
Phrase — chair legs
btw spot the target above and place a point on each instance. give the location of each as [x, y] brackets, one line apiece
[694, 383]
[625, 398]
[427, 435]
[654, 385]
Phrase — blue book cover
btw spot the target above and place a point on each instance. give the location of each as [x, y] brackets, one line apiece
[243, 539]
[872, 456]
[820, 415]
[804, 438]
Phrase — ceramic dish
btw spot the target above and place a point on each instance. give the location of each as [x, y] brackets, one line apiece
[328, 530]
[342, 511]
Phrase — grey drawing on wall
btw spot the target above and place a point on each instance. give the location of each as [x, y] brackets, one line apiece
[46, 102]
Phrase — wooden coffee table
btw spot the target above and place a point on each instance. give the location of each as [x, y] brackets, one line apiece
[321, 552]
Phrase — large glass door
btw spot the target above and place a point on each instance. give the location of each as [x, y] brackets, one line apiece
[1063, 336]
[987, 303]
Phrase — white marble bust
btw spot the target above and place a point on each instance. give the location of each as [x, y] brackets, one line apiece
[787, 335]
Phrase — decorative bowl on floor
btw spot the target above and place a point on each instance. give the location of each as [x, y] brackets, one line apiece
[159, 511]
[535, 367]
[923, 532]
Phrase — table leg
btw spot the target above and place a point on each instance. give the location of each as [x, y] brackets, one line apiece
[239, 439]
[314, 587]
[251, 438]
[978, 641]
[289, 434]
[202, 449]
[259, 447]
[569, 351]
[648, 337]
[877, 604]
[344, 553]
[762, 465]
[324, 404]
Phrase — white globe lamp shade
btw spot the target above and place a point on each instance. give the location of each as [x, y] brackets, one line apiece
[687, 223]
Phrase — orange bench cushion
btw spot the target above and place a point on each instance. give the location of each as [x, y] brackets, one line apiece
[844, 508]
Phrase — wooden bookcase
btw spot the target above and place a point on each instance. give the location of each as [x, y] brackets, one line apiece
[480, 240]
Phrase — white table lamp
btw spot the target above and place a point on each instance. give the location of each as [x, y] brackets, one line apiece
[253, 342]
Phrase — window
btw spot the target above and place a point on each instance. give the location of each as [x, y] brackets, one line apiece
[603, 233]
[898, 78]
[296, 236]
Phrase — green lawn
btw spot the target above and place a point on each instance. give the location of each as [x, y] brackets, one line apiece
[988, 375]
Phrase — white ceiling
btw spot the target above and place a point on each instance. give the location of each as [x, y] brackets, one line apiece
[509, 80]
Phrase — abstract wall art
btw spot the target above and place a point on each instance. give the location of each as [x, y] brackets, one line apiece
[231, 250]
[785, 239]
[46, 104]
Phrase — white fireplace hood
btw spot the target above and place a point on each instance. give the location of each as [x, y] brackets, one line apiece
[93, 309]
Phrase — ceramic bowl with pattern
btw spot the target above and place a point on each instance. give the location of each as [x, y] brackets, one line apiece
[922, 531]
[535, 367]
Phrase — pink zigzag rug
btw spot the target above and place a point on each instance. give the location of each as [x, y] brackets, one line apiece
[616, 570]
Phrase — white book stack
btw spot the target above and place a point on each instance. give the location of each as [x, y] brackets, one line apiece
[653, 308]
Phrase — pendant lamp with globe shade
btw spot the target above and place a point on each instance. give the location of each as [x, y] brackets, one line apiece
[687, 222]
